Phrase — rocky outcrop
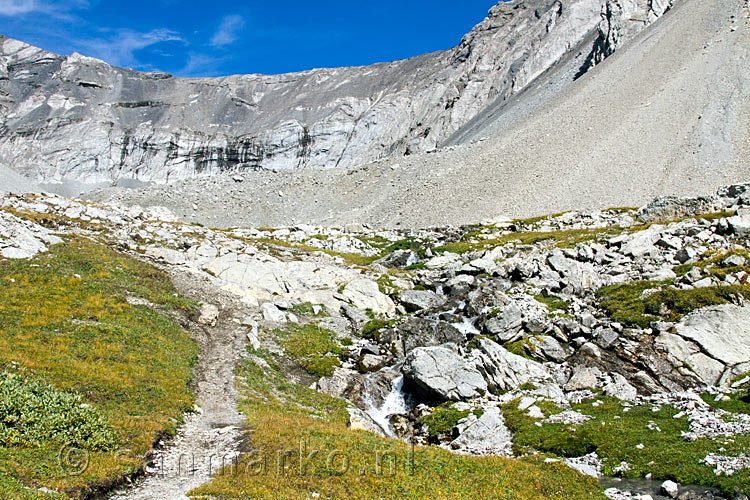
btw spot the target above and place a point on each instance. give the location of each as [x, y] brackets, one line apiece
[21, 239]
[77, 118]
[442, 373]
[621, 20]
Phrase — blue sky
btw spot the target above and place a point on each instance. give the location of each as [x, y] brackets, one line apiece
[192, 38]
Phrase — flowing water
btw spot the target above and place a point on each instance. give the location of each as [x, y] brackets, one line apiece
[395, 401]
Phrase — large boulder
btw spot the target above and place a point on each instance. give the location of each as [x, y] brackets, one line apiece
[722, 331]
[417, 300]
[674, 207]
[504, 370]
[506, 325]
[722, 334]
[487, 436]
[740, 223]
[421, 332]
[365, 294]
[439, 372]
[578, 276]
[21, 239]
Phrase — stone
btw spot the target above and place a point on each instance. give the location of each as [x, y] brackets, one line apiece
[365, 294]
[686, 255]
[722, 332]
[549, 348]
[417, 300]
[641, 243]
[734, 261]
[506, 326]
[584, 377]
[421, 332]
[620, 388]
[669, 489]
[504, 370]
[673, 207]
[209, 315]
[487, 436]
[440, 372]
[740, 224]
[579, 276]
[400, 258]
[273, 313]
[372, 363]
[361, 421]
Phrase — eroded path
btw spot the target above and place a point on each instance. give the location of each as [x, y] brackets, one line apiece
[211, 437]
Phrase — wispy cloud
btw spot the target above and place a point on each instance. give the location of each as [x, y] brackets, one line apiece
[202, 65]
[120, 48]
[12, 8]
[228, 31]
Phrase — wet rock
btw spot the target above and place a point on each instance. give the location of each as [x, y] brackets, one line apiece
[361, 421]
[372, 363]
[421, 332]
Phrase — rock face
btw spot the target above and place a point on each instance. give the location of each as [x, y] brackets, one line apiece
[505, 370]
[722, 332]
[441, 372]
[76, 118]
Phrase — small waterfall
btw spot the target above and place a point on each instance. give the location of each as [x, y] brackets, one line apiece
[394, 402]
[467, 327]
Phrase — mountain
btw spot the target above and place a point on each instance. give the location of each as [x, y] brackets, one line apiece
[80, 121]
[667, 114]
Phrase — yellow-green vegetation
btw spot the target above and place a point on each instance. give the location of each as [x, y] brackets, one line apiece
[615, 434]
[714, 265]
[312, 347]
[301, 445]
[444, 417]
[308, 309]
[371, 329]
[553, 303]
[627, 304]
[68, 334]
[351, 259]
[561, 239]
[520, 347]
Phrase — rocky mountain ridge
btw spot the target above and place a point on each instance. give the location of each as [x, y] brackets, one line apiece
[78, 119]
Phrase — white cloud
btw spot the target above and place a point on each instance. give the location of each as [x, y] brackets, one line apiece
[119, 50]
[228, 31]
[12, 8]
[199, 65]
[18, 7]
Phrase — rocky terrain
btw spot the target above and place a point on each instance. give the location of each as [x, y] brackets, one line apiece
[476, 338]
[78, 121]
[666, 115]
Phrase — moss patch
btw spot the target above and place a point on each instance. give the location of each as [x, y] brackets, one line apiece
[312, 347]
[616, 435]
